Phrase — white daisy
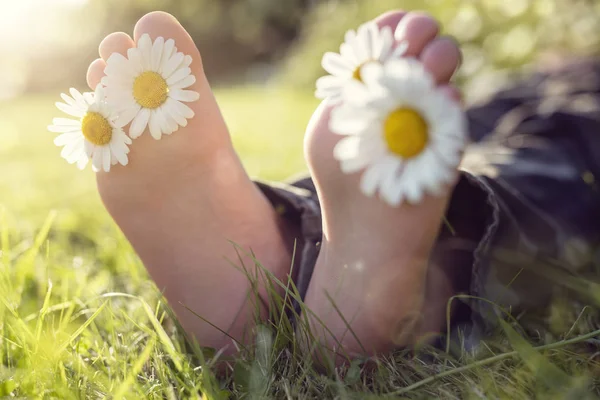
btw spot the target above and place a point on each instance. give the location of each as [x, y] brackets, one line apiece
[367, 44]
[148, 87]
[405, 132]
[93, 135]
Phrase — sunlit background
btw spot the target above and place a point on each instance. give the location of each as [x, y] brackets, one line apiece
[251, 49]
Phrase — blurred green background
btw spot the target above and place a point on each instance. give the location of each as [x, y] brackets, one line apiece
[262, 57]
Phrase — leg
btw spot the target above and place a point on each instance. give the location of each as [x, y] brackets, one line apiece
[374, 259]
[183, 198]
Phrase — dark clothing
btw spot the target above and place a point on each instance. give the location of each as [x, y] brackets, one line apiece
[525, 215]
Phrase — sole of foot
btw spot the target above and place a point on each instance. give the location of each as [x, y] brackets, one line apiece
[183, 199]
[373, 263]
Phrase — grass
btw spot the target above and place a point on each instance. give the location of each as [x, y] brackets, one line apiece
[79, 317]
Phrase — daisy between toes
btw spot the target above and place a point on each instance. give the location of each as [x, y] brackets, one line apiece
[95, 134]
[147, 89]
[406, 134]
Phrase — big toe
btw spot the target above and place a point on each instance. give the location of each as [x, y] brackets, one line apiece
[173, 96]
[161, 24]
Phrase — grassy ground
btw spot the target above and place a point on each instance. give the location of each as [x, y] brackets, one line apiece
[80, 319]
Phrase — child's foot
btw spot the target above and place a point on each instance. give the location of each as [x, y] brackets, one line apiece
[373, 262]
[182, 199]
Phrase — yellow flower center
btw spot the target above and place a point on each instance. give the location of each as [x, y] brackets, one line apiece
[96, 129]
[405, 132]
[356, 75]
[150, 89]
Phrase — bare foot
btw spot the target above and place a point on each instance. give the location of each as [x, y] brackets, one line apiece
[182, 199]
[373, 263]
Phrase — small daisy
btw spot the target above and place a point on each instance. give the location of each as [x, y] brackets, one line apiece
[93, 135]
[406, 133]
[148, 87]
[367, 44]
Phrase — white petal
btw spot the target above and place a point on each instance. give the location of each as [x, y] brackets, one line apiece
[76, 153]
[187, 61]
[68, 149]
[119, 144]
[350, 37]
[329, 85]
[412, 184]
[363, 47]
[122, 136]
[126, 116]
[184, 83]
[171, 109]
[347, 53]
[118, 154]
[391, 188]
[106, 158]
[179, 75]
[184, 95]
[68, 99]
[140, 122]
[83, 161]
[66, 122]
[335, 64]
[162, 122]
[135, 60]
[171, 122]
[118, 65]
[154, 126]
[66, 138]
[370, 149]
[168, 50]
[64, 128]
[434, 173]
[78, 97]
[71, 110]
[400, 50]
[89, 97]
[182, 109]
[372, 178]
[373, 40]
[157, 51]
[348, 120]
[346, 148]
[384, 44]
[172, 64]
[372, 73]
[145, 47]
[99, 94]
[88, 148]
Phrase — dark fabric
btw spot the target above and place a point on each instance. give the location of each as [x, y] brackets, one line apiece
[527, 200]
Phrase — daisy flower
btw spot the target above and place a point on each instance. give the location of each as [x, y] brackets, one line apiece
[148, 87]
[93, 134]
[367, 44]
[402, 130]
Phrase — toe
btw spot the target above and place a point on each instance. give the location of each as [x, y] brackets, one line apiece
[453, 92]
[95, 73]
[117, 42]
[418, 29]
[391, 19]
[442, 58]
[160, 24]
